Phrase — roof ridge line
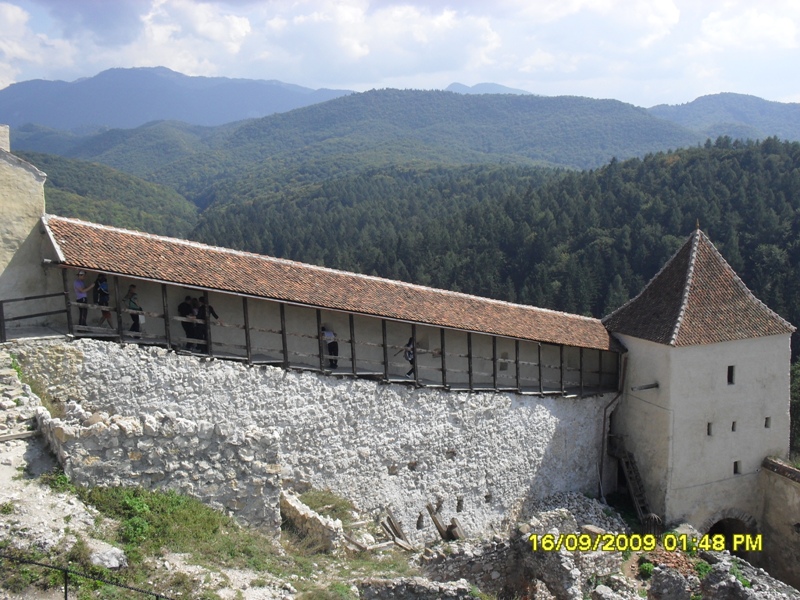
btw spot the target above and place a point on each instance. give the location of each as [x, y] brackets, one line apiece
[687, 286]
[740, 282]
[290, 262]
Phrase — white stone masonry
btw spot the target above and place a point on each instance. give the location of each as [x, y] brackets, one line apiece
[475, 456]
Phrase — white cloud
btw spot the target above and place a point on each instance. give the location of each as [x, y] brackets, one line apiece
[757, 27]
[640, 51]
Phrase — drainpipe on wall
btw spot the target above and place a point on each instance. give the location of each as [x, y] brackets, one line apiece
[604, 440]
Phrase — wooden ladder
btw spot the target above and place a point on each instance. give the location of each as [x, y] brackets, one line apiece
[635, 484]
[632, 476]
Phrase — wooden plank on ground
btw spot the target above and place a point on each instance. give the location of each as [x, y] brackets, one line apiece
[437, 522]
[395, 525]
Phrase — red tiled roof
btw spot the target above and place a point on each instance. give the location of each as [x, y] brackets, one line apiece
[101, 248]
[696, 299]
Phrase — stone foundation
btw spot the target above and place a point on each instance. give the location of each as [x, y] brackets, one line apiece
[477, 456]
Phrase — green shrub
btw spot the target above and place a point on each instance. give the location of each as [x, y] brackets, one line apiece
[646, 570]
[702, 568]
[58, 481]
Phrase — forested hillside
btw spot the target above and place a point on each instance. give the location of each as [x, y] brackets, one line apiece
[582, 242]
[103, 195]
[735, 115]
[374, 129]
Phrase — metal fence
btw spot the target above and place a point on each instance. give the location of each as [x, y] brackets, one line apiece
[66, 573]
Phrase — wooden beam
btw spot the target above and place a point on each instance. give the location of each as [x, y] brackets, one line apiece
[561, 355]
[207, 325]
[469, 361]
[284, 339]
[516, 364]
[320, 341]
[353, 344]
[66, 301]
[166, 314]
[580, 371]
[416, 352]
[494, 362]
[385, 351]
[118, 302]
[600, 369]
[247, 342]
[438, 522]
[395, 525]
[444, 360]
[539, 361]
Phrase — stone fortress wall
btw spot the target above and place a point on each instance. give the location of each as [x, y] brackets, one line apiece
[475, 456]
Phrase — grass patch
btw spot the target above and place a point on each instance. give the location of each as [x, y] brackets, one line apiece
[58, 481]
[54, 406]
[149, 524]
[737, 572]
[326, 503]
[6, 508]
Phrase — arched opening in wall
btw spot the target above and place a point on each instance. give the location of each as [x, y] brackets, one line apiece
[730, 527]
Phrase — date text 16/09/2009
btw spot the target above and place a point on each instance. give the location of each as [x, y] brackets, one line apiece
[620, 542]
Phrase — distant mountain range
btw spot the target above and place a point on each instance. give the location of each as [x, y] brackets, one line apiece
[123, 98]
[128, 98]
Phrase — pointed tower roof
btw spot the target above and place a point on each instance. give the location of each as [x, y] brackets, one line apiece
[696, 299]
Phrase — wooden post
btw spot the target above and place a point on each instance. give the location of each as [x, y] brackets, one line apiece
[209, 348]
[385, 351]
[561, 357]
[600, 370]
[353, 343]
[2, 323]
[284, 340]
[494, 362]
[166, 314]
[416, 352]
[516, 364]
[320, 341]
[118, 302]
[539, 361]
[247, 342]
[469, 360]
[444, 360]
[66, 301]
[580, 372]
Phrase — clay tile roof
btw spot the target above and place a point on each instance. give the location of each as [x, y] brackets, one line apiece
[139, 255]
[696, 299]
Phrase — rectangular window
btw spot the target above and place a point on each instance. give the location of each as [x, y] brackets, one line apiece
[733, 426]
[767, 422]
[708, 428]
[736, 468]
[730, 374]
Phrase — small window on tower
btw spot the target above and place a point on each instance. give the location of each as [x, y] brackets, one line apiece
[767, 422]
[708, 428]
[730, 375]
[736, 468]
[733, 426]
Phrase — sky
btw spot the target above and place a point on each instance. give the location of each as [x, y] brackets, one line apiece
[645, 52]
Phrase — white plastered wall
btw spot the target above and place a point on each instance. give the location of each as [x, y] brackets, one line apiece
[22, 206]
[689, 474]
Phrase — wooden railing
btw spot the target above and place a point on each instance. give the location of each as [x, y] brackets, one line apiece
[4, 303]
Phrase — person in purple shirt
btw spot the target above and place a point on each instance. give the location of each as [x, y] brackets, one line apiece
[82, 296]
